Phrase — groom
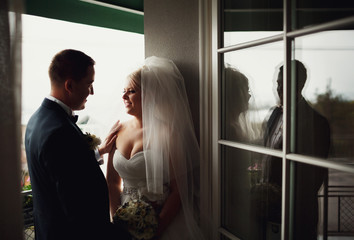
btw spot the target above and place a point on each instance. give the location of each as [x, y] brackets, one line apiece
[69, 189]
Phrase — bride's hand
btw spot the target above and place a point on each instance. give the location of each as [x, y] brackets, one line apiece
[109, 143]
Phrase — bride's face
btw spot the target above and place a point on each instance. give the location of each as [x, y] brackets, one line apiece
[132, 99]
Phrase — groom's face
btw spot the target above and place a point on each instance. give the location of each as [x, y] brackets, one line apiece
[82, 89]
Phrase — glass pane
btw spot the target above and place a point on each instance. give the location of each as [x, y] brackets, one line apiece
[321, 194]
[251, 194]
[340, 204]
[313, 12]
[249, 96]
[325, 105]
[249, 20]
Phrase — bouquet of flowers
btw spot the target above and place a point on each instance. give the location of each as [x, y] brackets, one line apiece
[139, 217]
[254, 173]
[92, 140]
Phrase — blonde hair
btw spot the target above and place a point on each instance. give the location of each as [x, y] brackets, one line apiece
[135, 78]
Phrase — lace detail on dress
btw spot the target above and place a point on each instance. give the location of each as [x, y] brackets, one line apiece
[134, 193]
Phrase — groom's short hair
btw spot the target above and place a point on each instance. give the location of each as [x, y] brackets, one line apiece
[67, 64]
[301, 73]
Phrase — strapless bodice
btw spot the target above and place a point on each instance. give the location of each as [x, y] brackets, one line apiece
[131, 170]
[133, 173]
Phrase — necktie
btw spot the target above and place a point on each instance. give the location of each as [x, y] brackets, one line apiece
[74, 118]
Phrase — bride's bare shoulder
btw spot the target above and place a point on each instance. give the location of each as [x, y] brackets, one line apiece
[125, 125]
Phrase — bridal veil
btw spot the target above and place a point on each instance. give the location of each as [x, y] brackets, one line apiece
[169, 136]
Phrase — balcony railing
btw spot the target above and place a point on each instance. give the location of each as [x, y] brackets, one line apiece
[338, 211]
[28, 215]
[340, 208]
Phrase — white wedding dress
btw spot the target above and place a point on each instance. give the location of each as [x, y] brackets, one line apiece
[133, 173]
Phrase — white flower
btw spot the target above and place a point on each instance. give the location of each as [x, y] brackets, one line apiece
[92, 140]
[139, 217]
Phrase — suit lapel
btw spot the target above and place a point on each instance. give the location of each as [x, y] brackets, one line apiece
[57, 108]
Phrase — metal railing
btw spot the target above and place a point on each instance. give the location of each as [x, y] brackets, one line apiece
[27, 210]
[339, 211]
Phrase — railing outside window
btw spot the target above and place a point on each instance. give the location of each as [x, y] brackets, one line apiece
[340, 207]
[28, 223]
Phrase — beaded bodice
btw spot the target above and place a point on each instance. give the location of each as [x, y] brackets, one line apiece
[133, 173]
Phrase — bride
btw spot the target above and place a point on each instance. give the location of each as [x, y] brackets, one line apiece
[157, 154]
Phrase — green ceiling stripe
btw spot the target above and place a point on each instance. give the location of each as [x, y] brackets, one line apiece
[86, 13]
[132, 4]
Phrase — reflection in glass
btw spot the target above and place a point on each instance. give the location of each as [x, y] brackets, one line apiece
[314, 12]
[309, 183]
[251, 204]
[340, 203]
[248, 92]
[237, 37]
[312, 129]
[326, 98]
[249, 20]
[273, 130]
[328, 58]
[312, 138]
[237, 93]
[321, 194]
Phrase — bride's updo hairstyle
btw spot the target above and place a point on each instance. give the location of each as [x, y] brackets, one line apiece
[135, 78]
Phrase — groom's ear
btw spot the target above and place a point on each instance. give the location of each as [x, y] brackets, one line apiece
[68, 85]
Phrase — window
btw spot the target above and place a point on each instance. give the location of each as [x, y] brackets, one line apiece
[285, 129]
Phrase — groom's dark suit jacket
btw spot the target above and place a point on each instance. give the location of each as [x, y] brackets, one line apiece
[70, 193]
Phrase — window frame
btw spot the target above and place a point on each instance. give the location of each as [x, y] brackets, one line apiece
[214, 118]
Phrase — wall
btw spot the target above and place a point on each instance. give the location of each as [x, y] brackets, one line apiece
[171, 31]
[10, 135]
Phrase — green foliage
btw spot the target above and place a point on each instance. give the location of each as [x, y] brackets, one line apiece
[27, 201]
[27, 187]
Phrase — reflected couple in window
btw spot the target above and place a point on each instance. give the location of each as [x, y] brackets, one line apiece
[259, 200]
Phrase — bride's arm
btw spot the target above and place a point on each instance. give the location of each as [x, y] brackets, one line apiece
[113, 182]
[171, 207]
[110, 140]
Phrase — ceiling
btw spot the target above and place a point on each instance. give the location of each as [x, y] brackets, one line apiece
[126, 15]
